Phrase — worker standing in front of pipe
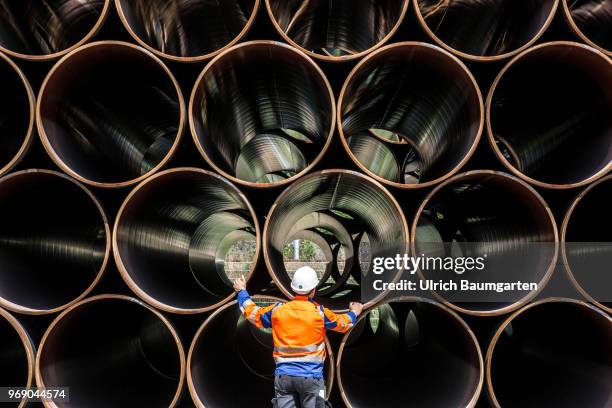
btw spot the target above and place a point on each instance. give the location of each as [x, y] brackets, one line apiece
[298, 330]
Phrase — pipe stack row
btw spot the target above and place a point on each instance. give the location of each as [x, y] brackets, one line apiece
[143, 142]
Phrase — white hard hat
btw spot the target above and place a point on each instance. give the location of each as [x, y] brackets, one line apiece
[304, 280]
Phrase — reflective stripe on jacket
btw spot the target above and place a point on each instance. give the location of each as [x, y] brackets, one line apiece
[298, 330]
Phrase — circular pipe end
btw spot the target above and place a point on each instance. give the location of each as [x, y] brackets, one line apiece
[110, 114]
[591, 21]
[54, 243]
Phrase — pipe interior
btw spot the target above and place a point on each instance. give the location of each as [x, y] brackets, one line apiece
[560, 354]
[346, 206]
[262, 113]
[588, 242]
[112, 353]
[411, 114]
[230, 341]
[404, 353]
[186, 223]
[15, 111]
[52, 240]
[551, 114]
[488, 214]
[485, 28]
[187, 28]
[12, 354]
[35, 27]
[337, 28]
[110, 112]
[594, 19]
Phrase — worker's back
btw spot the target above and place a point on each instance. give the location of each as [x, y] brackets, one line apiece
[298, 323]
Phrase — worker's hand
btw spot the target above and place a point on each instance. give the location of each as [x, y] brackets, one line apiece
[240, 284]
[356, 308]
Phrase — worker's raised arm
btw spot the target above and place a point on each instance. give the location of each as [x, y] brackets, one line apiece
[341, 322]
[257, 315]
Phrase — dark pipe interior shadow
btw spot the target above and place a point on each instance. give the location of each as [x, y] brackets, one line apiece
[111, 113]
[594, 19]
[53, 240]
[262, 113]
[187, 29]
[13, 355]
[404, 353]
[411, 114]
[112, 352]
[558, 353]
[551, 114]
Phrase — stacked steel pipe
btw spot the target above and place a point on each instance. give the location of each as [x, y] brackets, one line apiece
[369, 128]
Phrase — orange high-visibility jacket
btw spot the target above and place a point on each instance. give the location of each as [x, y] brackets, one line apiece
[298, 330]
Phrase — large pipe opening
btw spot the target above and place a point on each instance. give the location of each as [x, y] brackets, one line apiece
[54, 241]
[110, 114]
[558, 352]
[491, 215]
[16, 114]
[182, 236]
[485, 30]
[187, 31]
[410, 115]
[591, 20]
[16, 354]
[403, 353]
[354, 213]
[261, 113]
[112, 351]
[587, 242]
[227, 339]
[42, 30]
[549, 115]
[335, 30]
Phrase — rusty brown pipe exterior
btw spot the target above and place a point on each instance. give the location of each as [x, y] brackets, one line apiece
[496, 214]
[549, 114]
[358, 204]
[410, 115]
[17, 355]
[337, 30]
[226, 339]
[187, 31]
[586, 236]
[558, 362]
[172, 235]
[112, 350]
[110, 114]
[54, 241]
[591, 21]
[16, 114]
[45, 30]
[261, 113]
[485, 30]
[397, 351]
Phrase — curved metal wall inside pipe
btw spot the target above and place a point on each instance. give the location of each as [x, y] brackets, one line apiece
[45, 30]
[413, 352]
[591, 21]
[110, 114]
[261, 113]
[226, 339]
[410, 115]
[549, 115]
[172, 235]
[346, 205]
[16, 114]
[492, 213]
[137, 360]
[485, 30]
[54, 241]
[337, 30]
[586, 236]
[557, 351]
[187, 31]
[17, 355]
